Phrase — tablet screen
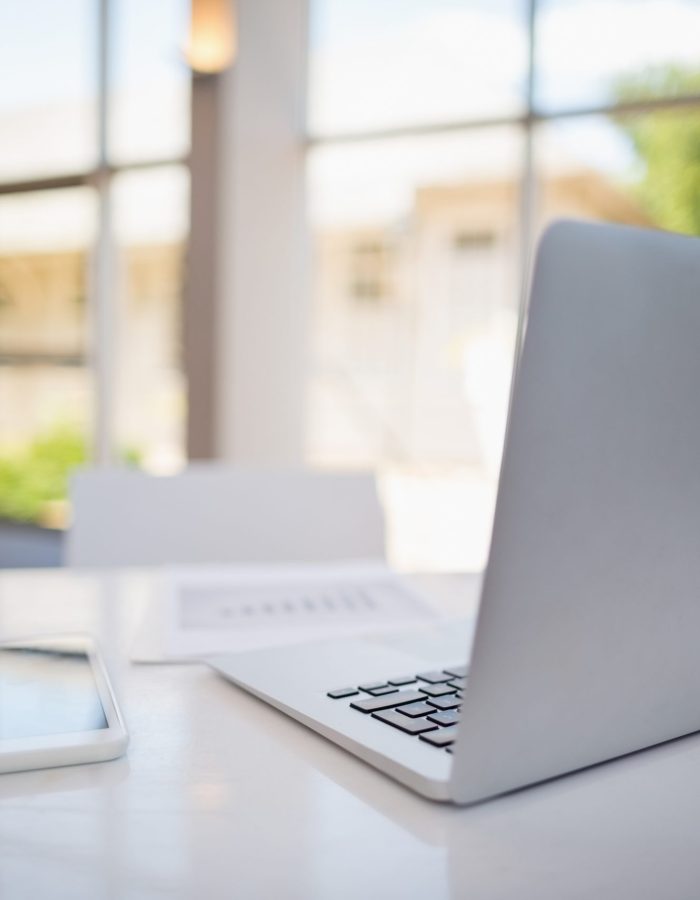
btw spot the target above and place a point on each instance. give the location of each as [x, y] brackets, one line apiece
[46, 691]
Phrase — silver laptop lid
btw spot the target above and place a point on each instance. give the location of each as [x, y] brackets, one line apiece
[588, 640]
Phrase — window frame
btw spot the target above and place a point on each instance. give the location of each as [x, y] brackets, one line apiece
[102, 264]
[527, 122]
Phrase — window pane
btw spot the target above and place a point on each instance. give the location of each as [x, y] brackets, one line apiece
[150, 80]
[45, 386]
[47, 87]
[379, 63]
[589, 50]
[416, 294]
[151, 213]
[44, 238]
[639, 170]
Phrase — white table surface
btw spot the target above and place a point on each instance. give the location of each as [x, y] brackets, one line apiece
[222, 796]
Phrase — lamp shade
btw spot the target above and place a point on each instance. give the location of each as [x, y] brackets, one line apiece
[211, 46]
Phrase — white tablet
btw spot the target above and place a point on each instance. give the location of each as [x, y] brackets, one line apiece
[57, 707]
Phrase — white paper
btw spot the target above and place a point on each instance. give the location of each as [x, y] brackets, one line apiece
[201, 611]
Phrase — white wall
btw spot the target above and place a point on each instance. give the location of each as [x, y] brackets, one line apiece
[263, 264]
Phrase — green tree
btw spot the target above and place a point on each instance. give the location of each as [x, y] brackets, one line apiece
[36, 475]
[32, 476]
[668, 144]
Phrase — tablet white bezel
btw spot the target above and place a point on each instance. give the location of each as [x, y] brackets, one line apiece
[71, 748]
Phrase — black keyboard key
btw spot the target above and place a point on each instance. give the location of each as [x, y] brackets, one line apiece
[373, 686]
[449, 702]
[446, 717]
[384, 689]
[457, 671]
[442, 738]
[458, 683]
[397, 698]
[437, 690]
[416, 709]
[434, 677]
[401, 681]
[342, 692]
[404, 723]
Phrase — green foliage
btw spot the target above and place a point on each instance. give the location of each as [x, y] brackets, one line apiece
[36, 475]
[668, 143]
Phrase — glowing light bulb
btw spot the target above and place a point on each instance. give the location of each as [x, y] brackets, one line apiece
[211, 47]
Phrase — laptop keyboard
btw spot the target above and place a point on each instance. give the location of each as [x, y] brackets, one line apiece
[425, 705]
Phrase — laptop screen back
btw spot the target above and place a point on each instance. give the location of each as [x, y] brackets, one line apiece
[587, 640]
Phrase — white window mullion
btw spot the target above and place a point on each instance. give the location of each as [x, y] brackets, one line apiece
[103, 318]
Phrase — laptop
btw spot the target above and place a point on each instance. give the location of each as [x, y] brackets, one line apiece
[586, 643]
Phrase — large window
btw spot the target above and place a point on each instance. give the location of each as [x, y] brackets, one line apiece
[94, 114]
[444, 134]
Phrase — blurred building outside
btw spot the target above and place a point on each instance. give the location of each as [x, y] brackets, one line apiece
[416, 326]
